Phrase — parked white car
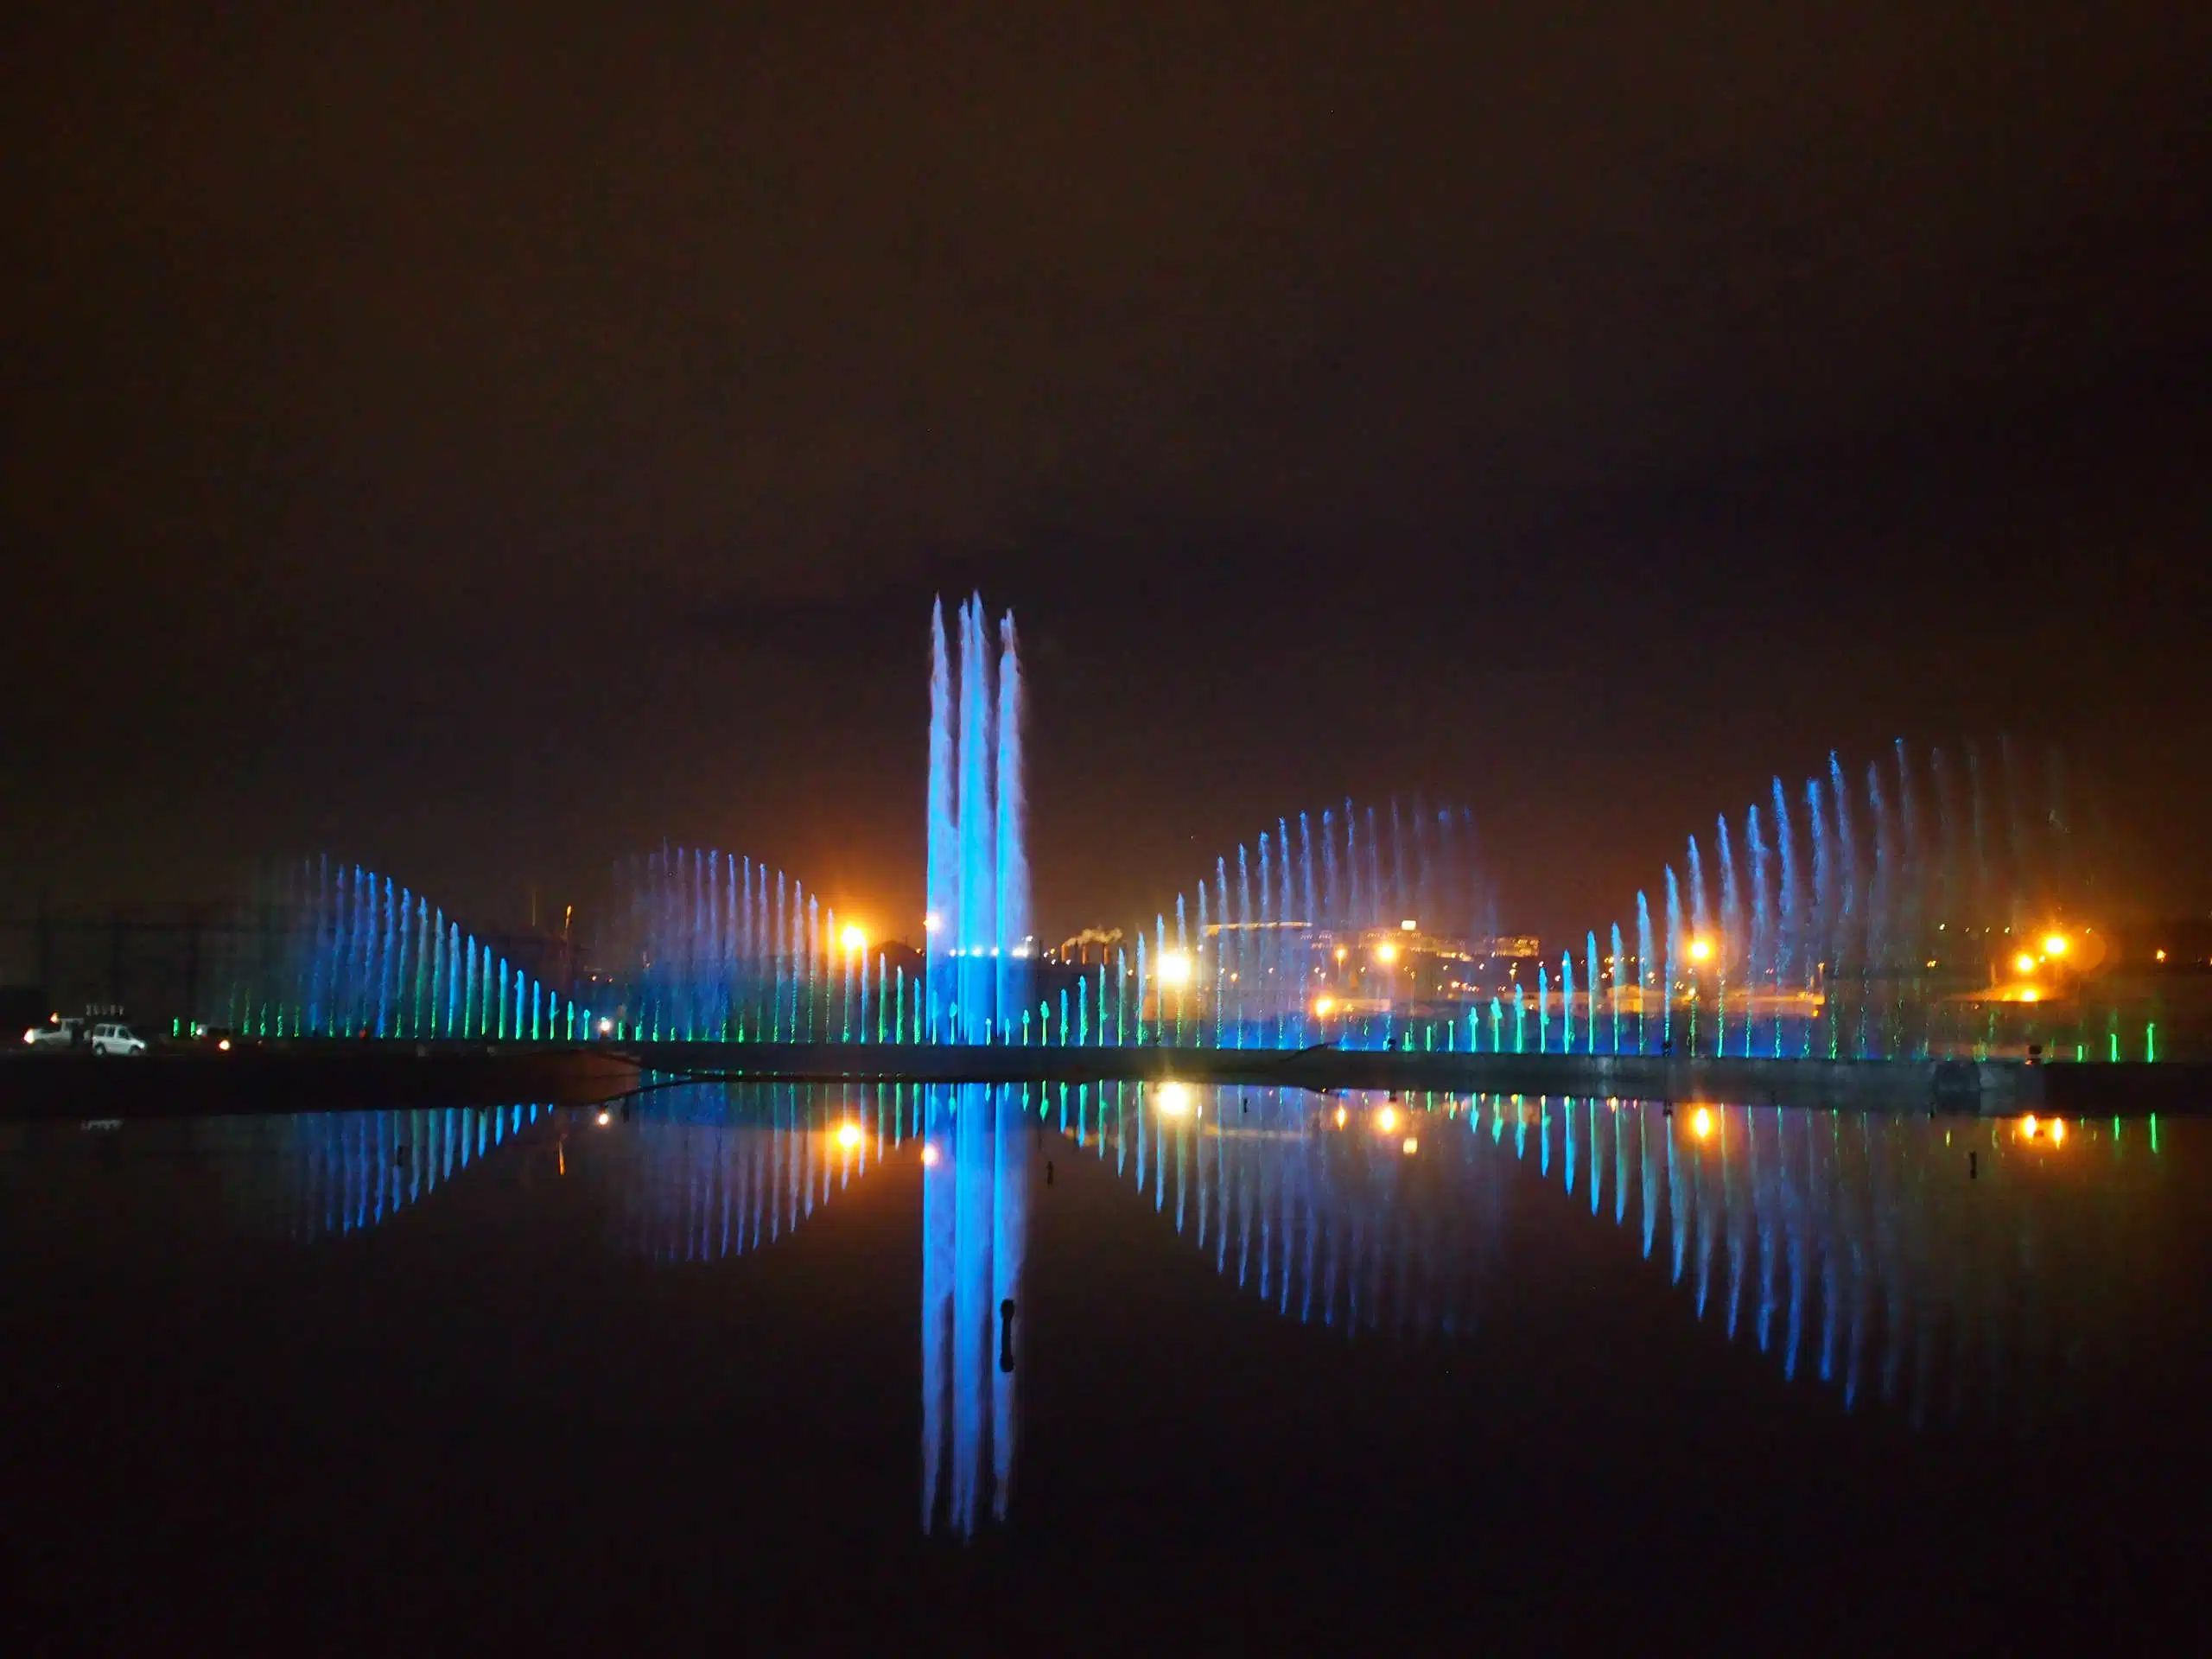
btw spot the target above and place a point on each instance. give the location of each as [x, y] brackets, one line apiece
[113, 1038]
[58, 1033]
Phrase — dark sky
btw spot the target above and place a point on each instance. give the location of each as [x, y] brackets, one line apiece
[485, 440]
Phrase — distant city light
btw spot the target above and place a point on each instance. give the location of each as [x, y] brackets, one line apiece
[1342, 1117]
[223, 1045]
[929, 1153]
[1174, 969]
[1386, 1119]
[2161, 956]
[1700, 949]
[2025, 962]
[2054, 944]
[853, 938]
[1701, 1124]
[2057, 1131]
[604, 1027]
[848, 1135]
[605, 1118]
[1411, 1144]
[1340, 953]
[1410, 925]
[929, 922]
[1174, 1099]
[2028, 1126]
[1386, 954]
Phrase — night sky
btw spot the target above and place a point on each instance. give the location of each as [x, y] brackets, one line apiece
[485, 440]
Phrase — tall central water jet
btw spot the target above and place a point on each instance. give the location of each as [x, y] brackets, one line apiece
[978, 923]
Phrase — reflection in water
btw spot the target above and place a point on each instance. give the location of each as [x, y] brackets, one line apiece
[337, 1173]
[1939, 1268]
[306, 1178]
[706, 1172]
[1937, 1265]
[975, 1237]
[350, 1171]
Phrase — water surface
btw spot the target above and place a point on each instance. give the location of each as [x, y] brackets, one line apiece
[1278, 1368]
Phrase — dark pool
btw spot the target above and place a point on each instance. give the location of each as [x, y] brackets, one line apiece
[802, 1366]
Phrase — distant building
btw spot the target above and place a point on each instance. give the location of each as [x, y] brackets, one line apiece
[1093, 944]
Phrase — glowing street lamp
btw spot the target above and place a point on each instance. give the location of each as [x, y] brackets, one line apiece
[1174, 1099]
[848, 1135]
[854, 939]
[1700, 949]
[1386, 954]
[2025, 962]
[2055, 945]
[1174, 969]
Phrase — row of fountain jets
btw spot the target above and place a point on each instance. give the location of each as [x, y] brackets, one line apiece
[1832, 920]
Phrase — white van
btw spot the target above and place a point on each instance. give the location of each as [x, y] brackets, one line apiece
[109, 1038]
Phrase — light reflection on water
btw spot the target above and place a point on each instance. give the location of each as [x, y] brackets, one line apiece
[696, 1175]
[1934, 1270]
[1942, 1266]
[976, 1233]
[305, 1177]
[703, 1174]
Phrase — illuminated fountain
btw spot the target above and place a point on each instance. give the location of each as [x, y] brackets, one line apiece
[977, 934]
[1891, 920]
[1933, 918]
[332, 949]
[1919, 910]
[1320, 946]
[718, 947]
[713, 946]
